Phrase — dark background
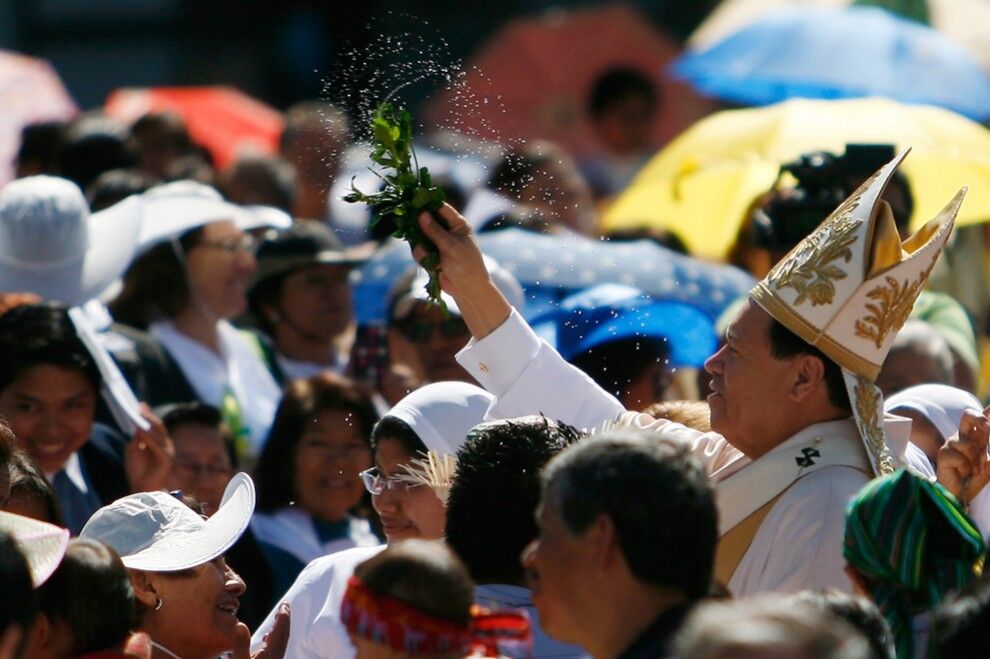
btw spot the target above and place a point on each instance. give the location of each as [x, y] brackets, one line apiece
[280, 51]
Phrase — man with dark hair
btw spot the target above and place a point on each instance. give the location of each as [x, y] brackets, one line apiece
[490, 510]
[790, 447]
[627, 533]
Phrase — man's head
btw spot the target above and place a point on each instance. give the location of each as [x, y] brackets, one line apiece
[919, 355]
[769, 626]
[498, 487]
[623, 106]
[623, 516]
[768, 383]
[204, 455]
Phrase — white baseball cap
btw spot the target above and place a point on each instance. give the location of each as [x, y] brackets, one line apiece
[155, 531]
[42, 544]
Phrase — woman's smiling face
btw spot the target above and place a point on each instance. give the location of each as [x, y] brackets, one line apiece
[50, 409]
[415, 512]
[198, 614]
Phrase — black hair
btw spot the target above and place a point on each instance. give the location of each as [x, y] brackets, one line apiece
[616, 364]
[785, 344]
[424, 574]
[115, 185]
[657, 496]
[177, 415]
[392, 427]
[94, 145]
[155, 285]
[498, 487]
[301, 401]
[19, 603]
[37, 334]
[27, 478]
[618, 84]
[859, 612]
[91, 593]
[41, 148]
[959, 624]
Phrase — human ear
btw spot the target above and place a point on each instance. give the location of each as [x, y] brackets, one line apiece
[808, 377]
[144, 588]
[602, 541]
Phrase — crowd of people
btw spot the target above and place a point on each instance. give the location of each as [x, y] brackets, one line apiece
[204, 452]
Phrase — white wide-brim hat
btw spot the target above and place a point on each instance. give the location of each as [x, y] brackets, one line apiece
[156, 532]
[51, 245]
[42, 544]
[173, 209]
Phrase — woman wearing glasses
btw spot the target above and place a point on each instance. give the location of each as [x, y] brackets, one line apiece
[311, 501]
[414, 447]
[191, 280]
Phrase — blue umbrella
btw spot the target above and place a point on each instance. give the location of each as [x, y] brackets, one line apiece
[550, 267]
[815, 52]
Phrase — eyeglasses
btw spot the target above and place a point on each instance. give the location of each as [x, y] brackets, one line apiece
[375, 483]
[420, 331]
[243, 243]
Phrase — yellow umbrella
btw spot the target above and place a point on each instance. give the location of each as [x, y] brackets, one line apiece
[701, 185]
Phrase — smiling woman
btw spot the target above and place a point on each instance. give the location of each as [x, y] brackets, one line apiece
[187, 595]
[309, 490]
[48, 394]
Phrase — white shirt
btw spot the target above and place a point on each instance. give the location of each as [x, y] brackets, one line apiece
[315, 598]
[291, 530]
[799, 543]
[237, 369]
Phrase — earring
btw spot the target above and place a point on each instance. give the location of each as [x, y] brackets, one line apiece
[159, 604]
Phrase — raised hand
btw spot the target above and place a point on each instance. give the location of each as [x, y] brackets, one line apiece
[963, 466]
[274, 643]
[148, 456]
[463, 273]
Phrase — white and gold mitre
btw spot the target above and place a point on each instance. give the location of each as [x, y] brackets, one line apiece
[849, 286]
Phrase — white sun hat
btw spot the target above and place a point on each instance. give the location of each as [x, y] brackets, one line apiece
[42, 544]
[51, 245]
[155, 531]
[172, 209]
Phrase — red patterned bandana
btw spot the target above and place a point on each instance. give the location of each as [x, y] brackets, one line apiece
[386, 620]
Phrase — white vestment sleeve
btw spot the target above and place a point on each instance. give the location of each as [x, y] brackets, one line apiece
[306, 597]
[527, 376]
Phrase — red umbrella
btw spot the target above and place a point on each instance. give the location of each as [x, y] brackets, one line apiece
[223, 119]
[30, 91]
[531, 79]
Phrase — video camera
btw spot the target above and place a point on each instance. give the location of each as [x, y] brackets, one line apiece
[823, 181]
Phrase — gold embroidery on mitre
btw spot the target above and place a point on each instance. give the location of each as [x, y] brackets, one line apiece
[894, 301]
[867, 402]
[809, 270]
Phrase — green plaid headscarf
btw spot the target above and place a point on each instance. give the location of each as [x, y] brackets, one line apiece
[912, 542]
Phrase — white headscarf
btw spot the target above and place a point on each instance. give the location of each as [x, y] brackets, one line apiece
[442, 413]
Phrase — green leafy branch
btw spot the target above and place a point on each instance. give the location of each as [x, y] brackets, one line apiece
[407, 189]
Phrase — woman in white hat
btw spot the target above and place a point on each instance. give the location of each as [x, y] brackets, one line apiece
[191, 280]
[187, 595]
